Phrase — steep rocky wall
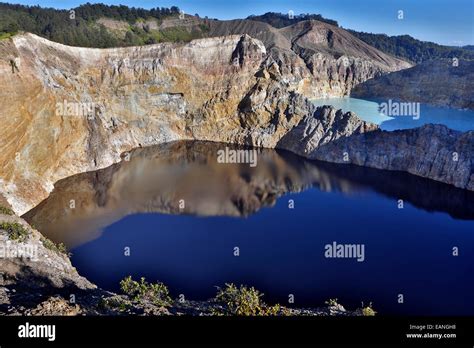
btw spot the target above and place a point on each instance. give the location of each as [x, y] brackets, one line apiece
[317, 59]
[431, 151]
[68, 110]
[119, 99]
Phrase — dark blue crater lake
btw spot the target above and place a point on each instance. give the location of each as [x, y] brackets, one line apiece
[182, 215]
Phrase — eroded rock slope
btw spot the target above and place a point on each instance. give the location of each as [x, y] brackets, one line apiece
[67, 110]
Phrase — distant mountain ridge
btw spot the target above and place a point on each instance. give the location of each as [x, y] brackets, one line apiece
[413, 50]
[402, 46]
[103, 26]
[318, 59]
[281, 20]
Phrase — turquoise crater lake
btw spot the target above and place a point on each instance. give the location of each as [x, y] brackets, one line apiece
[368, 110]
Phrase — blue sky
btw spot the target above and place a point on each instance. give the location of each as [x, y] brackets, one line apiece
[448, 22]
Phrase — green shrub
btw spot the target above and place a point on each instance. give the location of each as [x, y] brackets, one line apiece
[6, 211]
[157, 293]
[243, 301]
[15, 231]
[115, 303]
[4, 36]
[204, 28]
[57, 247]
[332, 302]
[368, 311]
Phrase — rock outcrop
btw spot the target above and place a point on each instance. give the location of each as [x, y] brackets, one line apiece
[431, 151]
[29, 253]
[324, 125]
[437, 82]
[317, 59]
[32, 269]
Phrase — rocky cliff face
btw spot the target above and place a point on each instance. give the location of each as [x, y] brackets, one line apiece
[68, 110]
[436, 82]
[431, 151]
[31, 253]
[32, 269]
[323, 126]
[317, 59]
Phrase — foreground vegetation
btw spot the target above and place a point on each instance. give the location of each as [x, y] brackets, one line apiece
[230, 300]
[56, 247]
[157, 293]
[243, 301]
[15, 231]
[6, 211]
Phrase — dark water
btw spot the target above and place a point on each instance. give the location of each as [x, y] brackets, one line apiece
[135, 204]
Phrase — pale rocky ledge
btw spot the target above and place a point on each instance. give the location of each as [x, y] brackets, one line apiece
[231, 89]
